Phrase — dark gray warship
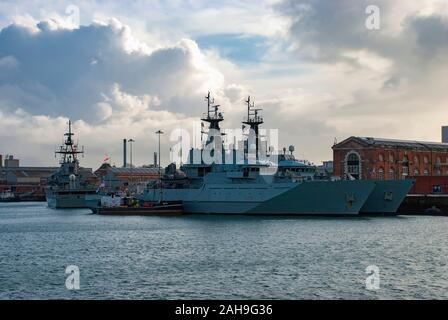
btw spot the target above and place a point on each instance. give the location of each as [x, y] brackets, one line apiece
[259, 187]
[68, 187]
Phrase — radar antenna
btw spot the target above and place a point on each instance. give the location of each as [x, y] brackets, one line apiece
[254, 121]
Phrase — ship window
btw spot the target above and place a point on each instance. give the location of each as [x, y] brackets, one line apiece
[245, 172]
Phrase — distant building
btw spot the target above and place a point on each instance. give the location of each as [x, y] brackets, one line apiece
[388, 159]
[10, 162]
[325, 170]
[122, 177]
[23, 180]
[445, 134]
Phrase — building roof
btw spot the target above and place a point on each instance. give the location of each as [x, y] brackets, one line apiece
[381, 142]
[128, 171]
[29, 171]
[132, 171]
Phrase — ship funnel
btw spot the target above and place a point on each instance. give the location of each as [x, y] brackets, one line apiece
[124, 153]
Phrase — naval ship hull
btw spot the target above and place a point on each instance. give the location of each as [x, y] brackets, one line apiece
[306, 198]
[66, 199]
[387, 197]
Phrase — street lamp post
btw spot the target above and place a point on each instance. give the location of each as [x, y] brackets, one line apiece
[160, 132]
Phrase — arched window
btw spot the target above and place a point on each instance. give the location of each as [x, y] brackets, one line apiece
[353, 165]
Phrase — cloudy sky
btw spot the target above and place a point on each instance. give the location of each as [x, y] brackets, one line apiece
[126, 69]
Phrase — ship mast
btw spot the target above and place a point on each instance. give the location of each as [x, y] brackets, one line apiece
[69, 151]
[214, 117]
[254, 121]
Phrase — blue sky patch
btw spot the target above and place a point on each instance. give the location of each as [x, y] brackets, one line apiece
[239, 48]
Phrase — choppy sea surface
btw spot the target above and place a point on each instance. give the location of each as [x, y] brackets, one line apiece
[219, 257]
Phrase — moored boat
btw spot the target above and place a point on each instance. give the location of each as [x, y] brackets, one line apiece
[129, 206]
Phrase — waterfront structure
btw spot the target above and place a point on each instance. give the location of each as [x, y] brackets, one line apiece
[389, 159]
[260, 187]
[68, 186]
[445, 134]
[23, 183]
[119, 178]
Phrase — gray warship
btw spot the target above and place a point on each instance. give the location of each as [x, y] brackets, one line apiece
[290, 187]
[68, 187]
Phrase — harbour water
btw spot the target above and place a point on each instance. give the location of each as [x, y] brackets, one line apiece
[219, 257]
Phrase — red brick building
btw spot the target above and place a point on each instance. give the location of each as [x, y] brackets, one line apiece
[387, 159]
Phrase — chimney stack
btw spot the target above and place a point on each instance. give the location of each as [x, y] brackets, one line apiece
[445, 134]
[125, 160]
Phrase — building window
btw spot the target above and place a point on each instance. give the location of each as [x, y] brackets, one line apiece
[391, 174]
[438, 172]
[416, 160]
[381, 174]
[391, 158]
[416, 172]
[380, 157]
[405, 171]
[353, 165]
[426, 172]
[425, 160]
[438, 161]
[405, 168]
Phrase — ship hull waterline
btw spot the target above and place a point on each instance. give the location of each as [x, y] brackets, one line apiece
[308, 198]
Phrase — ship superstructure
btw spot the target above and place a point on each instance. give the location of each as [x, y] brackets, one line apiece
[276, 184]
[68, 186]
